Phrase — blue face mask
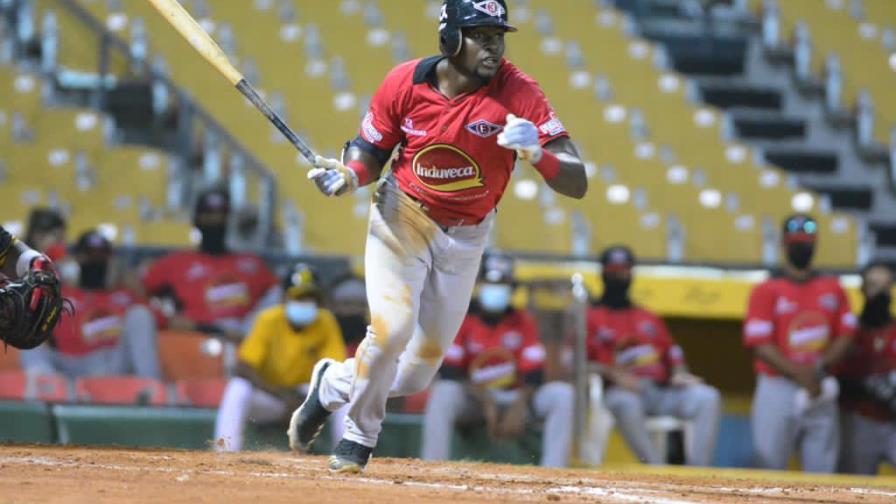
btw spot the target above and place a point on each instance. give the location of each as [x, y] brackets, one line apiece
[495, 298]
[301, 313]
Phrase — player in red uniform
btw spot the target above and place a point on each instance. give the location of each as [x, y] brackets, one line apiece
[460, 120]
[798, 325]
[646, 369]
[494, 373]
[868, 378]
[110, 331]
[213, 290]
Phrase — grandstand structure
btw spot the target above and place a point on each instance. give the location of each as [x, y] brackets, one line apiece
[701, 129]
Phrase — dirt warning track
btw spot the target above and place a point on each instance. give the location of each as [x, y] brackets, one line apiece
[83, 475]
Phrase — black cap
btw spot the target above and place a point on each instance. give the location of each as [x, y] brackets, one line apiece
[301, 281]
[496, 268]
[93, 243]
[213, 200]
[617, 257]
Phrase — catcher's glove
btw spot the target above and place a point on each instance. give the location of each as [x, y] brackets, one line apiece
[30, 307]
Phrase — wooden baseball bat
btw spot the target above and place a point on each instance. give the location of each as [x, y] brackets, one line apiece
[202, 42]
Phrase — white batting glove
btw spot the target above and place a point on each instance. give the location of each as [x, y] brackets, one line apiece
[522, 136]
[332, 177]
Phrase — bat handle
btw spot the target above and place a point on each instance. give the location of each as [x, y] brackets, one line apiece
[249, 92]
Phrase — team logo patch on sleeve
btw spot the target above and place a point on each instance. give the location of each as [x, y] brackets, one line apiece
[552, 127]
[446, 168]
[490, 7]
[371, 134]
[483, 128]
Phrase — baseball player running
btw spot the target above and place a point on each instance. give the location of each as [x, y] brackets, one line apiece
[31, 304]
[461, 120]
[798, 325]
[868, 380]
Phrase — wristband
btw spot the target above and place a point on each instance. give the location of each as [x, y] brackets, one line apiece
[548, 165]
[23, 265]
[360, 170]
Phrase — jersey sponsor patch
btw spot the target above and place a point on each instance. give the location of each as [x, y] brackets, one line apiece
[446, 168]
[490, 7]
[809, 333]
[483, 128]
[371, 134]
[552, 127]
[408, 128]
[101, 326]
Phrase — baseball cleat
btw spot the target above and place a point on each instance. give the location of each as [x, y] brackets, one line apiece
[308, 419]
[349, 457]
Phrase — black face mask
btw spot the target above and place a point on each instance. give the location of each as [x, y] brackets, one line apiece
[615, 294]
[876, 313]
[93, 275]
[214, 239]
[353, 327]
[799, 255]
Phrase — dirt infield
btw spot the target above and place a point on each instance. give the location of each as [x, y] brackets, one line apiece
[82, 475]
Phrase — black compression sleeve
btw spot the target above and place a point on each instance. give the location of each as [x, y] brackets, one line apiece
[381, 155]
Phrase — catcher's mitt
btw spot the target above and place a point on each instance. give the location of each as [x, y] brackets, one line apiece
[30, 307]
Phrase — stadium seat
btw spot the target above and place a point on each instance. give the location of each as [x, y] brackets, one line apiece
[9, 359]
[416, 403]
[201, 393]
[19, 386]
[187, 355]
[129, 390]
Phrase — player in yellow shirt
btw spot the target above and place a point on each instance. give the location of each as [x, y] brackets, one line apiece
[276, 358]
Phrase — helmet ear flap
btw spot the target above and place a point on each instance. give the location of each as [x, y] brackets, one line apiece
[450, 42]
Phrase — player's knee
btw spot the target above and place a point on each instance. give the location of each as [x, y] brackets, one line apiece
[139, 315]
[562, 394]
[623, 402]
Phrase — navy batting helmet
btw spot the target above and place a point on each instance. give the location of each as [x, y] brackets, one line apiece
[458, 14]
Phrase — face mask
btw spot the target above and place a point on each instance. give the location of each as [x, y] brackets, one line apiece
[93, 275]
[214, 239]
[495, 298]
[876, 312]
[799, 255]
[616, 292]
[301, 313]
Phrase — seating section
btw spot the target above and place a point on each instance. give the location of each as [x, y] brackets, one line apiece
[186, 356]
[63, 157]
[681, 169]
[19, 386]
[660, 165]
[857, 32]
[201, 393]
[123, 390]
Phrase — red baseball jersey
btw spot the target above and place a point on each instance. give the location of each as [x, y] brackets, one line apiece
[97, 321]
[211, 287]
[873, 353]
[632, 339]
[502, 356]
[449, 159]
[800, 318]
